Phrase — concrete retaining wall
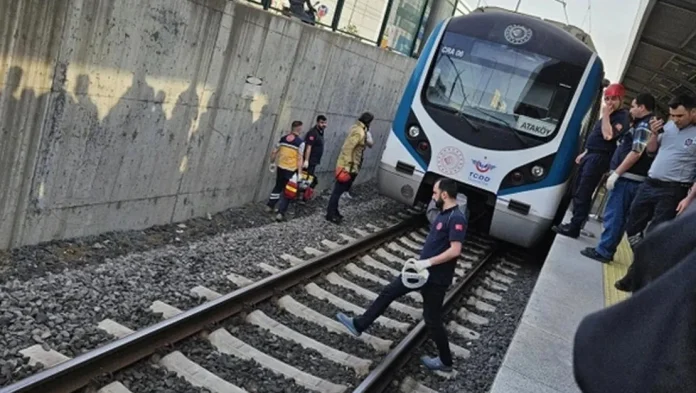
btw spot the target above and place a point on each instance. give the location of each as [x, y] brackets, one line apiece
[123, 114]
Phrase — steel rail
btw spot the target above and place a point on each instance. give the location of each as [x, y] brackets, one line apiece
[380, 377]
[79, 371]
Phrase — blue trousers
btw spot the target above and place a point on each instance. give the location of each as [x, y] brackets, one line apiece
[592, 167]
[616, 216]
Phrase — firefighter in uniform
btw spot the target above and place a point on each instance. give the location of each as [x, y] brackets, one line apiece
[439, 257]
[594, 162]
[348, 164]
[287, 154]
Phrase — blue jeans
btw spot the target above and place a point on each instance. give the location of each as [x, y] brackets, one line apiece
[616, 216]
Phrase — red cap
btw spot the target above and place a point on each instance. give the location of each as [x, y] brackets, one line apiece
[615, 90]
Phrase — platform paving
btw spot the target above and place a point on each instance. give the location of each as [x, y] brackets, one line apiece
[570, 286]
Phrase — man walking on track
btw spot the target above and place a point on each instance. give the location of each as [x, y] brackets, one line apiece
[348, 164]
[288, 151]
[314, 148]
[439, 257]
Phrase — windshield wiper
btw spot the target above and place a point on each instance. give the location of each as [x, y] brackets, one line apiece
[465, 102]
[471, 124]
[512, 127]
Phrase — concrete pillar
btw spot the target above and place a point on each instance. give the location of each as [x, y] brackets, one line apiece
[439, 11]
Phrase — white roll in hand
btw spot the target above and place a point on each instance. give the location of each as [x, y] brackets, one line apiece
[413, 274]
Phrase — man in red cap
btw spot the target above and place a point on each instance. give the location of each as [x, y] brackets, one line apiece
[594, 161]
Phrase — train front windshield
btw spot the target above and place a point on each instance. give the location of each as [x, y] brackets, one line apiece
[508, 98]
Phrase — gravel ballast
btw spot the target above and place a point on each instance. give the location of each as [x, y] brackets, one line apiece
[245, 374]
[291, 353]
[59, 300]
[146, 377]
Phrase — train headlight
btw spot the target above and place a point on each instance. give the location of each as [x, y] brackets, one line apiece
[414, 131]
[538, 171]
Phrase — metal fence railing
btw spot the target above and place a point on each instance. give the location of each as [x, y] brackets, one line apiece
[394, 25]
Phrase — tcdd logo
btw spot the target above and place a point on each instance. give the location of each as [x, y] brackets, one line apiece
[482, 167]
[479, 177]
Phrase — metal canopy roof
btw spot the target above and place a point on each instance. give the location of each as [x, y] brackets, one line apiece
[662, 58]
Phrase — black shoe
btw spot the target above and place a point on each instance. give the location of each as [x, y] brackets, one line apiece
[333, 219]
[567, 230]
[593, 254]
[624, 285]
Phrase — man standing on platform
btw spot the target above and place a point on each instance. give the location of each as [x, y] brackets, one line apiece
[630, 165]
[594, 162]
[665, 193]
[439, 256]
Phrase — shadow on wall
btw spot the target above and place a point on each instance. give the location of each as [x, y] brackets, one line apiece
[134, 154]
[154, 123]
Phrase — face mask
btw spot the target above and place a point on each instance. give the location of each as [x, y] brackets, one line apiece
[439, 203]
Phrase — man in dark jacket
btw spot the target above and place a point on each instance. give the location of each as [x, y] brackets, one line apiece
[594, 162]
[314, 147]
[647, 343]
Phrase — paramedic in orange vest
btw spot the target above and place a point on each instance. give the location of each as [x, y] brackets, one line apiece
[287, 154]
[348, 164]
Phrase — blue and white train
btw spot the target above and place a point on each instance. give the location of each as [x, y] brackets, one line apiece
[499, 102]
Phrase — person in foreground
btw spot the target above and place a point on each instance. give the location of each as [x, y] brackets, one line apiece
[439, 256]
[647, 343]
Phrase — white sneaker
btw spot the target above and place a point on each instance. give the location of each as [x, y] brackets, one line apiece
[347, 196]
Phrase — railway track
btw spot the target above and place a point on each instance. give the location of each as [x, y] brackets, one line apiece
[284, 323]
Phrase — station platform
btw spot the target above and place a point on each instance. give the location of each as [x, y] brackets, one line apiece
[570, 286]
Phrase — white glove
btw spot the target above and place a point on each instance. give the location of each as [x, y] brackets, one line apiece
[305, 164]
[422, 264]
[369, 137]
[611, 181]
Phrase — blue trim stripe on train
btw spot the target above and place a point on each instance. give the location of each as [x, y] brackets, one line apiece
[399, 125]
[565, 157]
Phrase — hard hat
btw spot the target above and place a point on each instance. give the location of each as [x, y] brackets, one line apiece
[411, 278]
[615, 90]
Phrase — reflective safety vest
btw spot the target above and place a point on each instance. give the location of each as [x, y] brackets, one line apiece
[290, 149]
